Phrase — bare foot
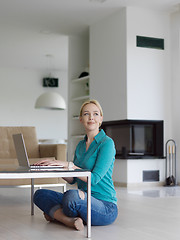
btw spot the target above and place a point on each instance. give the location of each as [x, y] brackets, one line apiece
[48, 218]
[78, 224]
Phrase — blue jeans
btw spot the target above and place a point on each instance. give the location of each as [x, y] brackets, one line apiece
[102, 212]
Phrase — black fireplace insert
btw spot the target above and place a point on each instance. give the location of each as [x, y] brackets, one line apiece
[136, 138]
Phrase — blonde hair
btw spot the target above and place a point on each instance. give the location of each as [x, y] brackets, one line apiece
[94, 102]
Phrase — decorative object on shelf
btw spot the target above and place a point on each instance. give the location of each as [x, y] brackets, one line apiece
[50, 100]
[170, 171]
[85, 73]
[87, 88]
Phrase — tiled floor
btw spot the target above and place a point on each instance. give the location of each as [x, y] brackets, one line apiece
[144, 214]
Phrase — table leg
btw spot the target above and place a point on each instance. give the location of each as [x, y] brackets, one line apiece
[32, 194]
[89, 206]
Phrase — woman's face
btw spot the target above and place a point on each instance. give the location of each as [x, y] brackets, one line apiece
[91, 117]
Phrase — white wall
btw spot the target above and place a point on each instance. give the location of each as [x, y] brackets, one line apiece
[19, 89]
[129, 172]
[148, 70]
[175, 63]
[132, 82]
[108, 65]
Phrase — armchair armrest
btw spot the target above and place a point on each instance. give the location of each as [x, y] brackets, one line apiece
[53, 150]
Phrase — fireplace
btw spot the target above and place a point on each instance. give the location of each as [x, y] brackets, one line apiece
[136, 138]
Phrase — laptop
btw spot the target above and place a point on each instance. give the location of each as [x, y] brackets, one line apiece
[22, 155]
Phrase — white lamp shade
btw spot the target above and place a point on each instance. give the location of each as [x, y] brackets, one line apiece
[50, 100]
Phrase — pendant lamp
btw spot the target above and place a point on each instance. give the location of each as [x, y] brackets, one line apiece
[50, 100]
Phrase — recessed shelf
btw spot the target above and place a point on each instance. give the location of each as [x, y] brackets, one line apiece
[81, 98]
[83, 79]
[79, 92]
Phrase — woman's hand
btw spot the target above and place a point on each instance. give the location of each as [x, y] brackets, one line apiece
[51, 162]
[54, 162]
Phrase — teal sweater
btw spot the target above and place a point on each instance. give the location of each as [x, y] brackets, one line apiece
[99, 159]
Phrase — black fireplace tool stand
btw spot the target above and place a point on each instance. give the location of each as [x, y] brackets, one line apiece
[170, 171]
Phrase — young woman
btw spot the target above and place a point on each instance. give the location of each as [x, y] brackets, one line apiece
[96, 153]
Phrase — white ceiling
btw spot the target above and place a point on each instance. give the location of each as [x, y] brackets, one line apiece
[31, 29]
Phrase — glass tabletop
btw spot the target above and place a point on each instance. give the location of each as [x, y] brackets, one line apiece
[15, 169]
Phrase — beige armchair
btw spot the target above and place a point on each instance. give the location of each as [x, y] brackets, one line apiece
[35, 151]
